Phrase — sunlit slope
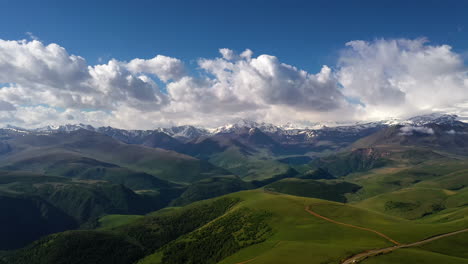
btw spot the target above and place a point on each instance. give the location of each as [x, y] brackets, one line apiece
[264, 227]
[300, 237]
[415, 255]
[444, 173]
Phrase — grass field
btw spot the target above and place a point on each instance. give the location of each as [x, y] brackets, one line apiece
[112, 221]
[296, 235]
[409, 203]
[412, 256]
[262, 227]
[455, 246]
[299, 237]
[302, 238]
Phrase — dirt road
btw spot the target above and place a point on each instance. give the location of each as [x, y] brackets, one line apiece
[352, 226]
[361, 256]
[373, 252]
[247, 261]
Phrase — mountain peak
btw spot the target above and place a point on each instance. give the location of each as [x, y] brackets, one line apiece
[433, 118]
[242, 124]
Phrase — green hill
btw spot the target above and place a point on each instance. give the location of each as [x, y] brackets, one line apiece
[251, 156]
[395, 192]
[327, 190]
[251, 225]
[410, 203]
[411, 256]
[211, 187]
[61, 152]
[356, 160]
[34, 205]
[131, 241]
[79, 247]
[439, 139]
[25, 219]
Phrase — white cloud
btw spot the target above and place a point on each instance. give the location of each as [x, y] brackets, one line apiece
[409, 130]
[260, 88]
[47, 74]
[247, 54]
[165, 68]
[32, 36]
[44, 84]
[261, 82]
[453, 132]
[118, 86]
[402, 77]
[6, 106]
[227, 54]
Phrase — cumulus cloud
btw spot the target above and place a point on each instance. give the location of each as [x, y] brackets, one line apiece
[228, 54]
[165, 68]
[118, 86]
[402, 77]
[47, 74]
[257, 83]
[43, 84]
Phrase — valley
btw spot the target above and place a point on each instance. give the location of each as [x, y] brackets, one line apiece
[242, 193]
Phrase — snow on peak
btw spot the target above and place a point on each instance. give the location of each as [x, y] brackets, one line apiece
[434, 118]
[244, 123]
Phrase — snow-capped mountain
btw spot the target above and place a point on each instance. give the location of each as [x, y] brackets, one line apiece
[50, 129]
[185, 133]
[243, 124]
[64, 128]
[282, 133]
[434, 118]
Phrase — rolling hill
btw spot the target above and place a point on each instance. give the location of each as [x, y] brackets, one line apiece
[253, 226]
[34, 205]
[40, 152]
[372, 194]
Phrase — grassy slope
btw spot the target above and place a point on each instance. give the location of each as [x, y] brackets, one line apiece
[332, 190]
[253, 166]
[299, 237]
[211, 187]
[134, 240]
[414, 255]
[454, 246]
[295, 236]
[410, 203]
[441, 173]
[217, 240]
[79, 247]
[294, 230]
[112, 221]
[165, 164]
[433, 193]
[34, 205]
[433, 188]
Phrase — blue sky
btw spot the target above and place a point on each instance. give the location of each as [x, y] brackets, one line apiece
[306, 34]
[144, 64]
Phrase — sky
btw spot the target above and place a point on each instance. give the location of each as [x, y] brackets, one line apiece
[146, 64]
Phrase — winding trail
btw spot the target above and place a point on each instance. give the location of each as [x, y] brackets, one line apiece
[247, 261]
[361, 256]
[349, 225]
[373, 252]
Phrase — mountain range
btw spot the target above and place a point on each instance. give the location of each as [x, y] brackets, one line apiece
[187, 132]
[75, 191]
